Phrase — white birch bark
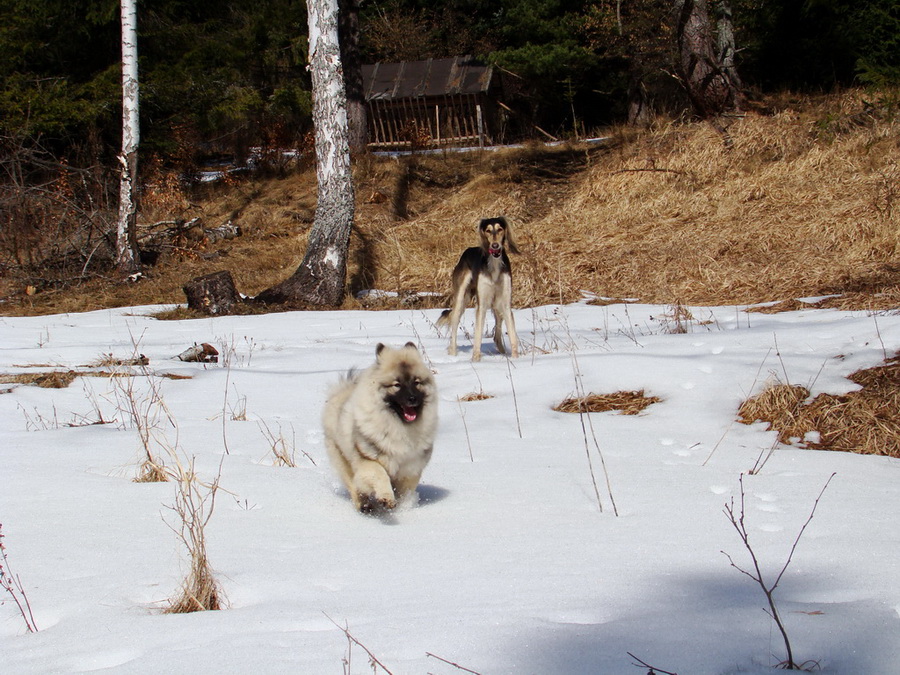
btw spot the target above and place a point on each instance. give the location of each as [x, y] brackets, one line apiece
[126, 247]
[320, 278]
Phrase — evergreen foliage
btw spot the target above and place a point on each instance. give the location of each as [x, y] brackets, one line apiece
[225, 76]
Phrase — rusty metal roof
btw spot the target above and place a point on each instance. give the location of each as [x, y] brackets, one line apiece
[418, 79]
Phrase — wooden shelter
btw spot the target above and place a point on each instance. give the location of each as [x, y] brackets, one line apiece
[433, 103]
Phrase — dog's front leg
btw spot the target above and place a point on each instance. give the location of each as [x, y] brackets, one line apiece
[505, 305]
[372, 487]
[480, 311]
[498, 332]
[513, 336]
[405, 487]
[456, 311]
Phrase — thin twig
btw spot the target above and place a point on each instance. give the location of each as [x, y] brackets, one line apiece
[462, 414]
[515, 401]
[878, 333]
[737, 521]
[644, 664]
[781, 360]
[350, 637]
[450, 663]
[730, 424]
[581, 414]
[12, 584]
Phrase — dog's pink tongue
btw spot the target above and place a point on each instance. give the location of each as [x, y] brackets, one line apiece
[410, 414]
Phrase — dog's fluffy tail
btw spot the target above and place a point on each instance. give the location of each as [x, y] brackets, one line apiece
[444, 319]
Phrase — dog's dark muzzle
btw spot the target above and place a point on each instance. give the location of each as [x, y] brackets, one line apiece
[406, 403]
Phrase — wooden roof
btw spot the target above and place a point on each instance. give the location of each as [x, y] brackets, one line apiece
[423, 79]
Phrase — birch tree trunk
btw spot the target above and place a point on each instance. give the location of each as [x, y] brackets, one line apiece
[127, 257]
[320, 278]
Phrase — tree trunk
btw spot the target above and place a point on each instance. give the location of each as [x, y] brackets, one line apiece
[726, 48]
[127, 257]
[353, 79]
[708, 88]
[212, 293]
[320, 278]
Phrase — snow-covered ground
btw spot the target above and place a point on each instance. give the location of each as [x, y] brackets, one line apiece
[508, 563]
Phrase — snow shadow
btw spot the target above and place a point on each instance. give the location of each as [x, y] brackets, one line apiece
[718, 625]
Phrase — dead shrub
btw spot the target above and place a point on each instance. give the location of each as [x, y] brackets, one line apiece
[626, 402]
[194, 505]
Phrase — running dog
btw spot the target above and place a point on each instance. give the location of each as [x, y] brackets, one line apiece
[483, 273]
[380, 426]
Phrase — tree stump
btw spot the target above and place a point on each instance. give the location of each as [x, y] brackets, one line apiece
[212, 293]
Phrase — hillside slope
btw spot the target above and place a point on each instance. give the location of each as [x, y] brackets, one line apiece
[801, 200]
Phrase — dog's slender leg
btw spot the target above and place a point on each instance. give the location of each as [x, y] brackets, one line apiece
[480, 311]
[498, 333]
[483, 299]
[459, 306]
[513, 336]
[506, 311]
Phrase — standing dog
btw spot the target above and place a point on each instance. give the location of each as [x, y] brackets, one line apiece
[483, 272]
[380, 426]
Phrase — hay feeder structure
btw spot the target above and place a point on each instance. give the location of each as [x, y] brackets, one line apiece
[431, 104]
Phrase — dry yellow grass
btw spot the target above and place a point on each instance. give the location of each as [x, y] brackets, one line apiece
[626, 402]
[475, 396]
[53, 379]
[57, 379]
[781, 405]
[866, 421]
[804, 202]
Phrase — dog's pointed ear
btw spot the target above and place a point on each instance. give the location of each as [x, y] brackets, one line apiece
[510, 242]
[411, 344]
[378, 350]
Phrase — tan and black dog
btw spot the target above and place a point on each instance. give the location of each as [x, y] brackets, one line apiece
[484, 273]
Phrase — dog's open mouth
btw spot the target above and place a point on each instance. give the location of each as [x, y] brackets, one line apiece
[410, 414]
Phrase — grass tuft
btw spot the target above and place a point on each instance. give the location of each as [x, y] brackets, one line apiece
[626, 402]
[866, 421]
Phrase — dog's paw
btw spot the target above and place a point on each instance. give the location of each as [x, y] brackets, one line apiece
[372, 504]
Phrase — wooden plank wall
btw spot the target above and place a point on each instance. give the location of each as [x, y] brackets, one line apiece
[431, 122]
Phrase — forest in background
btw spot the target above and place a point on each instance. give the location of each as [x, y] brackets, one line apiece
[220, 78]
[225, 76]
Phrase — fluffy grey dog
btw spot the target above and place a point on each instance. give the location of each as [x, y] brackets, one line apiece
[380, 425]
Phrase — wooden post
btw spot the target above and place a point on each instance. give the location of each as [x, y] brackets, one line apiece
[480, 125]
[437, 122]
